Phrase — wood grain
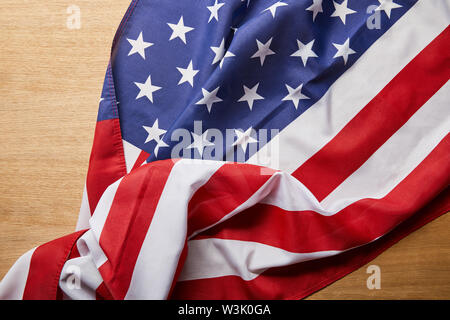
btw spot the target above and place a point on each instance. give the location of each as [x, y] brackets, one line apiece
[50, 84]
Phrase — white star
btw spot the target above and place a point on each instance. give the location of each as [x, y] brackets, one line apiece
[316, 7]
[343, 50]
[251, 95]
[263, 50]
[139, 46]
[304, 51]
[154, 132]
[295, 95]
[221, 55]
[215, 10]
[146, 89]
[209, 98]
[160, 144]
[273, 8]
[179, 30]
[387, 6]
[244, 138]
[188, 74]
[341, 10]
[200, 142]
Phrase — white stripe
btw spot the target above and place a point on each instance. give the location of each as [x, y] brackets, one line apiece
[159, 255]
[357, 86]
[88, 245]
[101, 212]
[89, 242]
[85, 212]
[400, 155]
[80, 279]
[13, 284]
[210, 258]
[145, 162]
[131, 154]
[291, 195]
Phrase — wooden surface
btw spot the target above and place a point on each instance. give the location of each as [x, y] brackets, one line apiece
[50, 84]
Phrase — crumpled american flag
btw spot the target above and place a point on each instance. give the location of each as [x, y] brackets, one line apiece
[255, 149]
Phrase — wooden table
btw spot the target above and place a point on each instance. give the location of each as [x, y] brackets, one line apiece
[50, 83]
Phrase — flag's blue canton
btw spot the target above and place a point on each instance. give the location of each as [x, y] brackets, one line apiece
[107, 106]
[168, 59]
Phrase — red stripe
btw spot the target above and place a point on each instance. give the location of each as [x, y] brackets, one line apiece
[128, 222]
[46, 265]
[107, 163]
[103, 293]
[141, 158]
[229, 187]
[300, 280]
[379, 120]
[357, 224]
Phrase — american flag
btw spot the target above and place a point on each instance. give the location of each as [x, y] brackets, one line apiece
[255, 149]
